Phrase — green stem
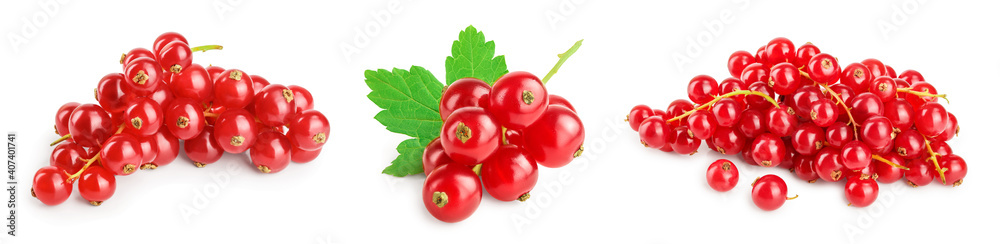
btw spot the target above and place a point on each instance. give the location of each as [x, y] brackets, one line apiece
[720, 97]
[562, 59]
[206, 48]
[923, 94]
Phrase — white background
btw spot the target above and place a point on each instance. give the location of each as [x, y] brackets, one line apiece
[619, 191]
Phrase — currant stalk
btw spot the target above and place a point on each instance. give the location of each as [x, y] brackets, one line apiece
[720, 97]
[890, 163]
[562, 59]
[933, 157]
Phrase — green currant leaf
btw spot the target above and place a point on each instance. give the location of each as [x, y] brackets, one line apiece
[409, 101]
[472, 56]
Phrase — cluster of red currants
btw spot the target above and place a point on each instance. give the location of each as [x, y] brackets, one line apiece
[796, 108]
[161, 97]
[485, 143]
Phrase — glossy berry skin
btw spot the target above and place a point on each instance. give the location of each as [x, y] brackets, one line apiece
[69, 156]
[466, 92]
[556, 138]
[887, 173]
[779, 50]
[271, 152]
[702, 124]
[861, 191]
[652, 132]
[857, 76]
[273, 105]
[560, 101]
[727, 141]
[909, 144]
[738, 61]
[802, 99]
[957, 169]
[846, 94]
[62, 117]
[235, 130]
[677, 108]
[751, 123]
[122, 154]
[829, 165]
[89, 125]
[824, 69]
[920, 173]
[839, 134]
[175, 56]
[303, 156]
[97, 185]
[203, 149]
[143, 117]
[233, 89]
[682, 142]
[823, 112]
[135, 53]
[149, 150]
[727, 112]
[784, 78]
[856, 155]
[918, 101]
[452, 193]
[808, 139]
[884, 88]
[702, 89]
[434, 156]
[876, 132]
[49, 185]
[194, 82]
[780, 121]
[303, 99]
[733, 84]
[950, 130]
[754, 73]
[142, 75]
[802, 165]
[768, 150]
[769, 192]
[167, 148]
[510, 174]
[722, 175]
[111, 93]
[932, 119]
[876, 67]
[865, 105]
[162, 40]
[184, 118]
[470, 135]
[308, 130]
[637, 115]
[517, 99]
[758, 102]
[804, 54]
[900, 113]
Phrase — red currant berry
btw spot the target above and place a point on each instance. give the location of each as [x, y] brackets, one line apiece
[637, 115]
[722, 175]
[727, 141]
[839, 134]
[761, 57]
[950, 130]
[865, 105]
[803, 167]
[434, 156]
[467, 92]
[121, 154]
[876, 67]
[808, 139]
[856, 155]
[271, 152]
[309, 130]
[939, 147]
[452, 192]
[738, 61]
[166, 38]
[751, 123]
[556, 138]
[303, 99]
[857, 76]
[877, 132]
[702, 124]
[62, 118]
[235, 130]
[677, 108]
[134, 54]
[918, 101]
[911, 76]
[823, 69]
[932, 119]
[768, 150]
[175, 56]
[920, 173]
[829, 165]
[779, 50]
[802, 99]
[149, 150]
[273, 105]
[470, 135]
[51, 185]
[203, 149]
[758, 102]
[167, 149]
[769, 192]
[97, 185]
[892, 72]
[823, 112]
[887, 173]
[184, 118]
[214, 72]
[518, 99]
[909, 144]
[513, 137]
[111, 93]
[89, 125]
[884, 88]
[804, 54]
[561, 101]
[702, 89]
[733, 84]
[652, 132]
[781, 121]
[683, 142]
[956, 169]
[233, 89]
[784, 78]
[900, 113]
[510, 174]
[755, 72]
[861, 191]
[69, 156]
[194, 83]
[727, 112]
[303, 156]
[142, 75]
[144, 117]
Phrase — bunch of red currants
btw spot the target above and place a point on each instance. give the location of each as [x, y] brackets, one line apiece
[798, 109]
[495, 138]
[162, 97]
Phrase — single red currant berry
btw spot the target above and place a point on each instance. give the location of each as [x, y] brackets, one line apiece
[857, 76]
[829, 165]
[804, 54]
[89, 125]
[877, 132]
[166, 38]
[556, 138]
[111, 93]
[954, 168]
[308, 130]
[768, 150]
[823, 112]
[751, 123]
[184, 118]
[134, 54]
[470, 135]
[779, 50]
[303, 156]
[758, 102]
[900, 113]
[856, 155]
[920, 173]
[702, 124]
[755, 72]
[167, 148]
[683, 142]
[770, 192]
[518, 99]
[738, 61]
[194, 82]
[808, 139]
[802, 99]
[69, 156]
[652, 132]
[950, 130]
[722, 175]
[62, 118]
[887, 173]
[214, 71]
[273, 105]
[97, 185]
[884, 88]
[839, 134]
[121, 154]
[513, 137]
[876, 67]
[911, 76]
[143, 117]
[784, 78]
[823, 69]
[233, 89]
[702, 89]
[51, 185]
[637, 115]
[510, 174]
[434, 156]
[452, 192]
[727, 112]
[235, 130]
[731, 85]
[803, 165]
[761, 56]
[726, 141]
[861, 191]
[175, 56]
[932, 119]
[561, 101]
[302, 98]
[677, 108]
[271, 152]
[909, 144]
[149, 150]
[918, 101]
[939, 147]
[892, 72]
[142, 75]
[781, 121]
[467, 92]
[865, 105]
[203, 149]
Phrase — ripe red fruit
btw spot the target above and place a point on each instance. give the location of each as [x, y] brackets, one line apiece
[143, 117]
[69, 156]
[271, 152]
[768, 150]
[233, 89]
[856, 155]
[702, 89]
[637, 115]
[273, 105]
[779, 50]
[303, 99]
[823, 112]
[194, 83]
[97, 185]
[956, 169]
[556, 138]
[861, 191]
[755, 72]
[434, 156]
[309, 130]
[931, 119]
[89, 125]
[920, 173]
[808, 139]
[900, 113]
[121, 154]
[784, 78]
[510, 174]
[184, 118]
[887, 173]
[50, 185]
[303, 156]
[235, 130]
[727, 112]
[803, 167]
[884, 88]
[865, 105]
[726, 141]
[702, 124]
[824, 69]
[518, 99]
[829, 165]
[203, 149]
[769, 192]
[167, 148]
[839, 134]
[142, 75]
[804, 54]
[682, 142]
[677, 108]
[111, 93]
[738, 61]
[175, 56]
[560, 101]
[876, 132]
[722, 175]
[452, 192]
[466, 92]
[652, 132]
[470, 135]
[781, 121]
